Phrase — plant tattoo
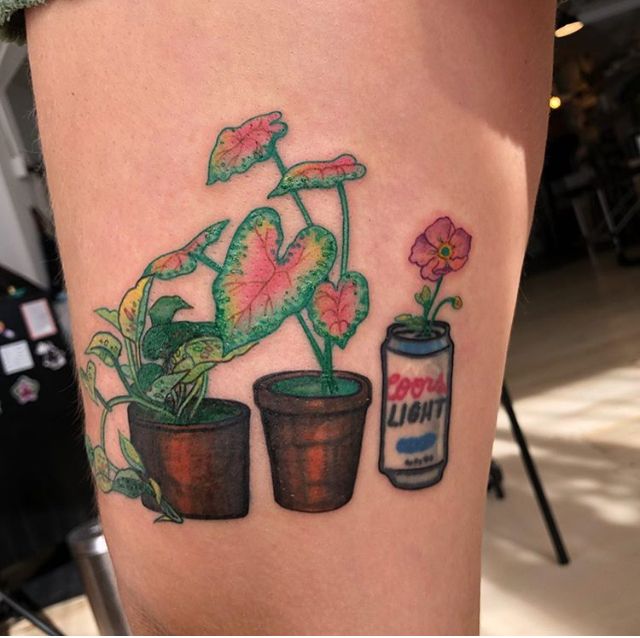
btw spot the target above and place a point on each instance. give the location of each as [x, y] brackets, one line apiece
[187, 455]
[417, 367]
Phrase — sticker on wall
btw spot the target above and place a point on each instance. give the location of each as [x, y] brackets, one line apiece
[52, 357]
[16, 357]
[25, 390]
[39, 319]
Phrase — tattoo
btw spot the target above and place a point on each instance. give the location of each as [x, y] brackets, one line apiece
[187, 454]
[417, 367]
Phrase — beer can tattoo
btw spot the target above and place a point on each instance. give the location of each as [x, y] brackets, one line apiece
[417, 367]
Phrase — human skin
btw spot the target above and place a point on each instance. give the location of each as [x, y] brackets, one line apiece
[446, 104]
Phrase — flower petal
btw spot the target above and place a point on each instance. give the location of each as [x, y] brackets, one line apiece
[455, 263]
[440, 231]
[461, 243]
[422, 251]
[434, 269]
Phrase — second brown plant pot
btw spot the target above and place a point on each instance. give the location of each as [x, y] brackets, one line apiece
[314, 442]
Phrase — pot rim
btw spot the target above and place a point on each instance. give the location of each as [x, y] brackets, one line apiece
[268, 399]
[135, 413]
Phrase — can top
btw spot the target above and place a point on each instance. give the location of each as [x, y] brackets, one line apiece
[403, 340]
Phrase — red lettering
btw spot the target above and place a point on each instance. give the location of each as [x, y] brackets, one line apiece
[400, 386]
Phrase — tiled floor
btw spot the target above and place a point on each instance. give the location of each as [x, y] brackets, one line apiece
[574, 371]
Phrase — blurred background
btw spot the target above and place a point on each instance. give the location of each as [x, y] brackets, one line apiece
[562, 545]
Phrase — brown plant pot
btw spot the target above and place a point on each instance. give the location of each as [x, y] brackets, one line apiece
[202, 468]
[313, 442]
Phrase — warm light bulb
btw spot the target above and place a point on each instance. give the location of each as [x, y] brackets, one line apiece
[555, 102]
[568, 29]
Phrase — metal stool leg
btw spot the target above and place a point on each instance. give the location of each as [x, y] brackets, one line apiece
[561, 553]
[43, 625]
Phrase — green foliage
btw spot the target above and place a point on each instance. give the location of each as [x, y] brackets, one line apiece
[423, 297]
[147, 374]
[88, 379]
[130, 453]
[106, 347]
[110, 316]
[163, 310]
[160, 341]
[132, 313]
[161, 387]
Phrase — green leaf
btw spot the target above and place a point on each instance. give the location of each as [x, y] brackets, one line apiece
[414, 322]
[319, 174]
[89, 450]
[88, 379]
[109, 315]
[132, 312]
[101, 469]
[337, 311]
[147, 374]
[106, 347]
[165, 308]
[130, 453]
[153, 489]
[423, 297]
[127, 372]
[199, 355]
[128, 482]
[161, 387]
[260, 285]
[238, 148]
[161, 341]
[168, 513]
[184, 260]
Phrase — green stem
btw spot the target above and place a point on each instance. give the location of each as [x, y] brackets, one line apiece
[298, 200]
[327, 368]
[312, 340]
[201, 395]
[193, 391]
[207, 261]
[427, 322]
[344, 205]
[450, 300]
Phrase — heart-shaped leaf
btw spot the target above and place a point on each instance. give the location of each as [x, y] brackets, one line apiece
[88, 378]
[321, 174]
[109, 315]
[238, 148]
[165, 308]
[185, 260]
[258, 287]
[130, 453]
[200, 355]
[105, 346]
[336, 311]
[132, 313]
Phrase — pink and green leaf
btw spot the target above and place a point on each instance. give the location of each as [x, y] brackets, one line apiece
[185, 260]
[238, 148]
[260, 285]
[336, 311]
[320, 174]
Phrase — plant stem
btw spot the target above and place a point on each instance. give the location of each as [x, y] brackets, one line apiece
[207, 261]
[450, 300]
[327, 368]
[427, 321]
[201, 395]
[193, 391]
[344, 205]
[312, 340]
[298, 200]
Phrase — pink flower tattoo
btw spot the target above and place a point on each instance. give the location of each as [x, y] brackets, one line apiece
[441, 249]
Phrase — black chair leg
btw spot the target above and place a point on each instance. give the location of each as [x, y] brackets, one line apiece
[558, 545]
[20, 610]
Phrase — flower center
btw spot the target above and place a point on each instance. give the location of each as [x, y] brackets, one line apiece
[445, 251]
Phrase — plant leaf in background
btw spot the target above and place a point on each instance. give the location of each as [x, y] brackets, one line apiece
[161, 387]
[133, 309]
[336, 311]
[105, 346]
[109, 315]
[237, 149]
[320, 174]
[147, 374]
[184, 260]
[88, 379]
[163, 310]
[161, 340]
[258, 288]
[101, 471]
[127, 482]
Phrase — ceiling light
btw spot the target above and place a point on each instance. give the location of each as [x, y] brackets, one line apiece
[555, 102]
